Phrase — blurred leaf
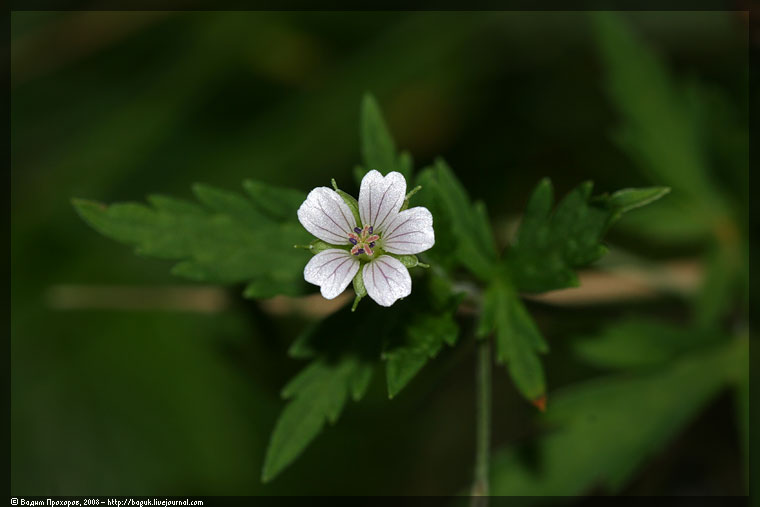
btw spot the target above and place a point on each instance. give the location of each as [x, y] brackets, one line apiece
[317, 395]
[233, 241]
[461, 227]
[665, 222]
[723, 133]
[549, 246]
[604, 429]
[631, 198]
[725, 272]
[658, 131]
[377, 146]
[638, 343]
[518, 340]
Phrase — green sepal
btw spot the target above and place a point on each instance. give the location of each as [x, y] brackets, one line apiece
[409, 196]
[318, 245]
[350, 201]
[359, 289]
[409, 261]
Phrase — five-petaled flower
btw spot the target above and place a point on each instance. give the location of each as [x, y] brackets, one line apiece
[385, 231]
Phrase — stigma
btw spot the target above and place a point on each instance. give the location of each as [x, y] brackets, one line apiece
[363, 240]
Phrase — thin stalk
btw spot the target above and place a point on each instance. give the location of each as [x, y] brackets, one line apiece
[482, 423]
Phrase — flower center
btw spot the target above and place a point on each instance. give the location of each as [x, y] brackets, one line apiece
[363, 240]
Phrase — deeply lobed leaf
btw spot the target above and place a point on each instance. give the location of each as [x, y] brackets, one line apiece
[463, 233]
[317, 395]
[233, 239]
[550, 246]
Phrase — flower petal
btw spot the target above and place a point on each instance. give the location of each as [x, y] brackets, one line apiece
[386, 280]
[326, 216]
[331, 269]
[380, 198]
[410, 232]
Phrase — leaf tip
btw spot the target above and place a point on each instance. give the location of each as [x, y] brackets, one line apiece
[540, 403]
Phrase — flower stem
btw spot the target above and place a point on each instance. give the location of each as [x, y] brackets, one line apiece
[483, 423]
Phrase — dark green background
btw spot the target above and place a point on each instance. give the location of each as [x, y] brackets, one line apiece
[114, 106]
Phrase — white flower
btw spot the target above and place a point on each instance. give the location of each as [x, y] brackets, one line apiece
[384, 230]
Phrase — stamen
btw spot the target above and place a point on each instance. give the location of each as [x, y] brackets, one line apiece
[363, 240]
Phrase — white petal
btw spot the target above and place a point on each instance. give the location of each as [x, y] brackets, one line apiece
[332, 270]
[386, 280]
[380, 198]
[326, 216]
[410, 232]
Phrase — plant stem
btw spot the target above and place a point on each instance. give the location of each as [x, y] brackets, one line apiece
[483, 423]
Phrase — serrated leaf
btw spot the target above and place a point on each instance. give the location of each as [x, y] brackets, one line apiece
[229, 204]
[341, 366]
[175, 206]
[276, 202]
[318, 395]
[425, 337]
[518, 340]
[550, 246]
[424, 329]
[602, 430]
[229, 241]
[461, 226]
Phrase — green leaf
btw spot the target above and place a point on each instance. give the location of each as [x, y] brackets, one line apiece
[267, 286]
[603, 430]
[424, 332]
[658, 131]
[639, 343]
[341, 366]
[549, 246]
[518, 340]
[632, 198]
[462, 228]
[350, 201]
[377, 146]
[317, 396]
[232, 240]
[409, 261]
[425, 336]
[359, 289]
[278, 203]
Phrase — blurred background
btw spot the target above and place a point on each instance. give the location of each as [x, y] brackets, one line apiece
[126, 380]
